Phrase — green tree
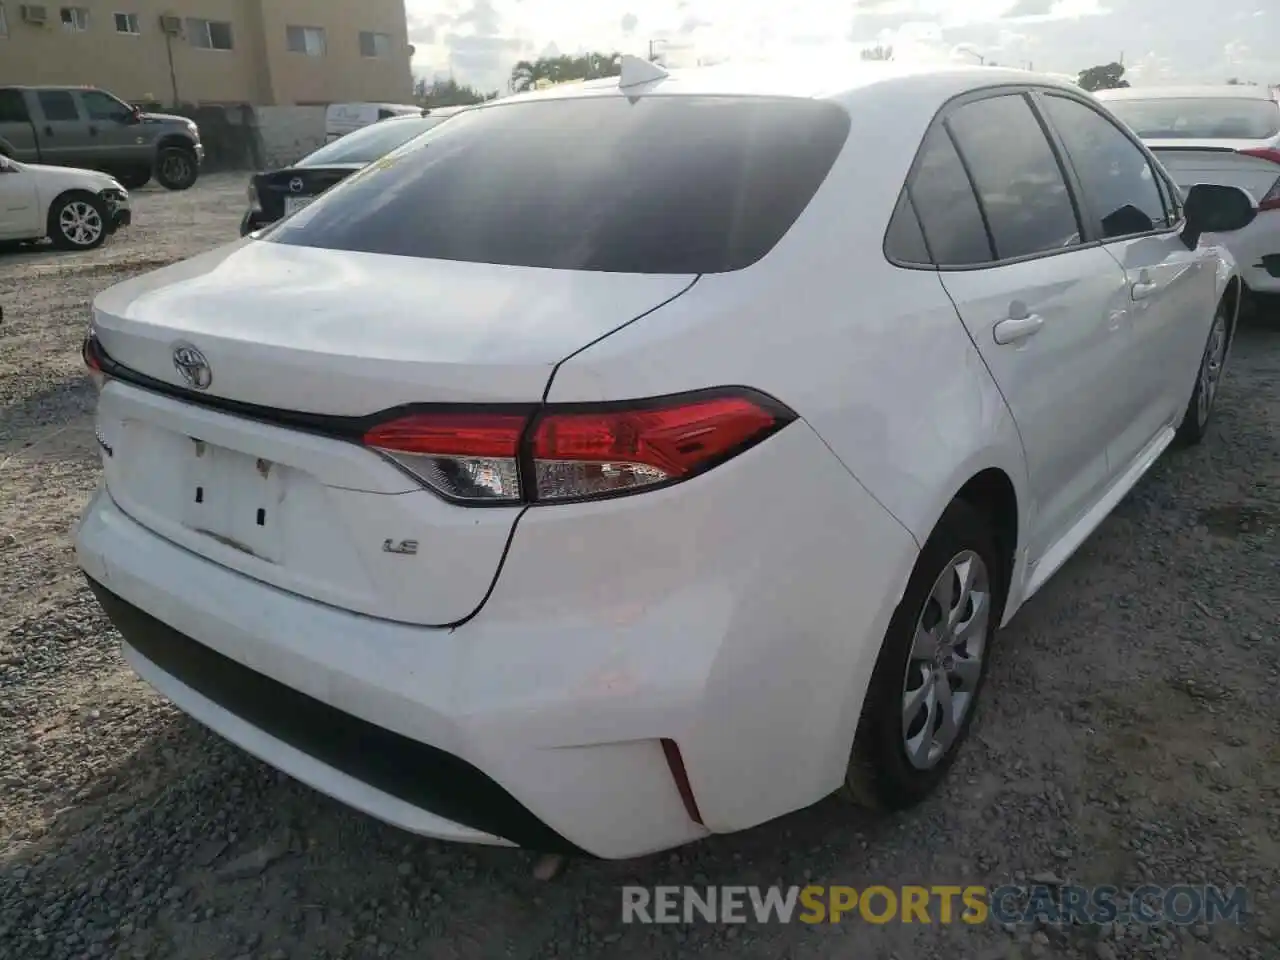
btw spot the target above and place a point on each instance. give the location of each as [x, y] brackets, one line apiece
[448, 93]
[1108, 76]
[878, 52]
[564, 68]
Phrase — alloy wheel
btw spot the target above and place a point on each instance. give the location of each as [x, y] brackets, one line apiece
[945, 664]
[176, 167]
[80, 223]
[1215, 353]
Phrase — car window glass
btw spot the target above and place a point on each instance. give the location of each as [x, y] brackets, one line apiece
[1119, 184]
[57, 105]
[370, 143]
[904, 243]
[13, 109]
[1200, 118]
[944, 201]
[689, 184]
[99, 106]
[1017, 176]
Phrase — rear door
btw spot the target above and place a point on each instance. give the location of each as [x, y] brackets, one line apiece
[63, 133]
[1171, 288]
[1044, 310]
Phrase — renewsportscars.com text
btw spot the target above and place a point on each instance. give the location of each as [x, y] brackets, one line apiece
[1059, 904]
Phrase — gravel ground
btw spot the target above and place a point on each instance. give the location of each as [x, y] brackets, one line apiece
[1129, 733]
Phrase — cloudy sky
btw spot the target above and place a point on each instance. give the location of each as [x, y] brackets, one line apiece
[1161, 40]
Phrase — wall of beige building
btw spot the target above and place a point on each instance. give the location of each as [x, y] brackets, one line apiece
[260, 68]
[338, 66]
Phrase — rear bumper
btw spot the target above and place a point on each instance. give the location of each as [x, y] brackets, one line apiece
[738, 615]
[1256, 249]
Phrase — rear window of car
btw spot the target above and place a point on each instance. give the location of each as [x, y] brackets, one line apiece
[1200, 118]
[674, 184]
[370, 143]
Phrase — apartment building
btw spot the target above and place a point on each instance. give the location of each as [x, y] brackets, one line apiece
[260, 52]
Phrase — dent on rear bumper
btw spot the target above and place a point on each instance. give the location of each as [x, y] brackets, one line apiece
[738, 614]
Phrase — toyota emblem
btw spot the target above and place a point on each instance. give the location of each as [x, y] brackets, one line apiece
[295, 185]
[192, 365]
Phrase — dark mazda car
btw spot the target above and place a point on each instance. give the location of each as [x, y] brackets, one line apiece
[278, 193]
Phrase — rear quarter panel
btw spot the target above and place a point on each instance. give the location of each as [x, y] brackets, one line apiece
[872, 355]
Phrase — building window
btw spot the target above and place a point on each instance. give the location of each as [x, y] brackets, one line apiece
[75, 19]
[127, 23]
[374, 44]
[209, 34]
[308, 40]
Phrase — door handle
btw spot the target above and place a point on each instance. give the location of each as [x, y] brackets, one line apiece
[1018, 328]
[1143, 289]
[48, 130]
[93, 131]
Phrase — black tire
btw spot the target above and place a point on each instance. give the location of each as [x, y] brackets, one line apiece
[177, 168]
[134, 178]
[86, 226]
[1213, 360]
[881, 775]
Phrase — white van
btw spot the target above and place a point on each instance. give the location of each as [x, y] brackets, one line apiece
[341, 118]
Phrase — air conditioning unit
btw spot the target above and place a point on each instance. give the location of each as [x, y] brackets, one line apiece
[171, 25]
[34, 13]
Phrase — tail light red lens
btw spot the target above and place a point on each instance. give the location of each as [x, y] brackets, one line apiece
[576, 452]
[1272, 200]
[89, 355]
[593, 453]
[470, 457]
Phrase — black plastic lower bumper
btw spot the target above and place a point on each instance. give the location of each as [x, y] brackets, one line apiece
[254, 220]
[414, 772]
[120, 218]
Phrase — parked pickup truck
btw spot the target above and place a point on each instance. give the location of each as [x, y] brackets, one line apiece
[89, 128]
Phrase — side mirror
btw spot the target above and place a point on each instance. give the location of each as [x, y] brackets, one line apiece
[1216, 208]
[134, 116]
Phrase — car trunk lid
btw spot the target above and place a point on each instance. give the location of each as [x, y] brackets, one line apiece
[262, 470]
[1222, 162]
[282, 192]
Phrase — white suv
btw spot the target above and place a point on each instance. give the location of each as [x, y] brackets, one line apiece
[602, 497]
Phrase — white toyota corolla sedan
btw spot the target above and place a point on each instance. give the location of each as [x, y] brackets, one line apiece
[647, 458]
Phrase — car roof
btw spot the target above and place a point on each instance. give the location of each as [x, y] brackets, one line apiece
[833, 80]
[1205, 92]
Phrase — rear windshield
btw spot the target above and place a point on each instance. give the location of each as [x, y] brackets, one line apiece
[651, 185]
[370, 143]
[1209, 118]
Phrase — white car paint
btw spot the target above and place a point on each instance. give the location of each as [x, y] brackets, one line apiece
[27, 190]
[561, 648]
[1191, 160]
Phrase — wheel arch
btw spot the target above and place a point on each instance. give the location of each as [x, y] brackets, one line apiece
[1233, 297]
[991, 493]
[175, 140]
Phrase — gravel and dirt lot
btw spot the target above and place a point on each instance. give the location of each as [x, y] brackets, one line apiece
[1131, 731]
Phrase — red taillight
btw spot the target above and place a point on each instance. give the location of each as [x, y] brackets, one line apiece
[1264, 153]
[465, 456]
[592, 453]
[90, 357]
[1272, 200]
[578, 452]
